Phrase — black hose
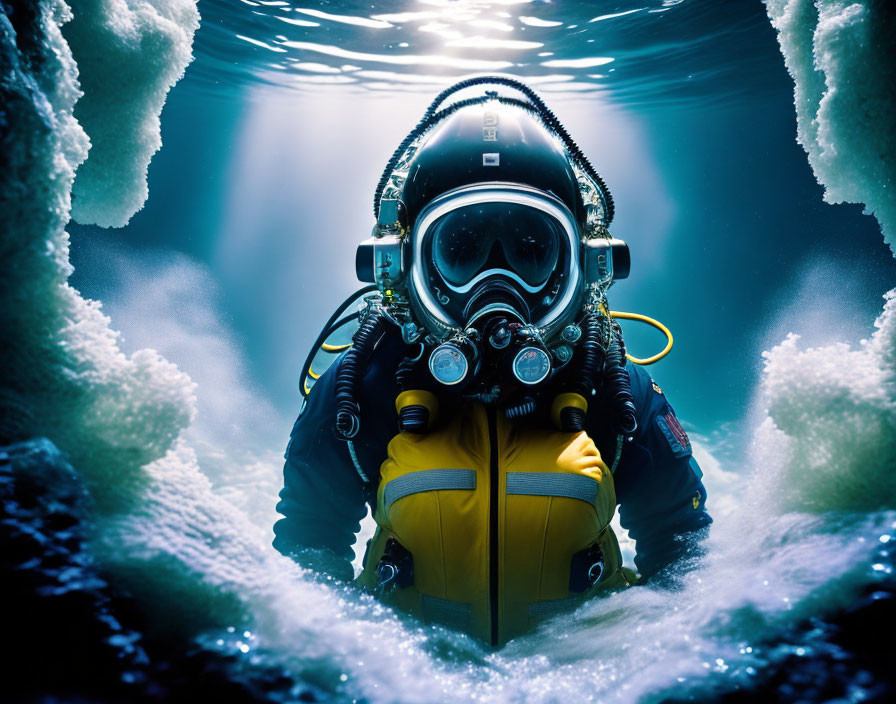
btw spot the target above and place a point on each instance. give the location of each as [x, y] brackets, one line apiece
[345, 320]
[591, 356]
[619, 384]
[405, 372]
[327, 330]
[589, 362]
[431, 116]
[525, 407]
[351, 370]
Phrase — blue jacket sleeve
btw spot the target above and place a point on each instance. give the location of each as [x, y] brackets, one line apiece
[662, 501]
[325, 489]
[323, 499]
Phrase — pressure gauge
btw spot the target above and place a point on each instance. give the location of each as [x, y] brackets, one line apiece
[531, 365]
[448, 364]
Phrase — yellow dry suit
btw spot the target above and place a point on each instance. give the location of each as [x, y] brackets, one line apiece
[493, 527]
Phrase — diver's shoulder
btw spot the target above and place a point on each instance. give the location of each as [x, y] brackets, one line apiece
[646, 393]
[641, 380]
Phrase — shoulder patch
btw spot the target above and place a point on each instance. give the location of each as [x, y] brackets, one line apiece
[656, 388]
[674, 434]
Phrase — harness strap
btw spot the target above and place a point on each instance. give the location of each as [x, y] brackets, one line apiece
[546, 609]
[428, 480]
[619, 440]
[573, 486]
[453, 614]
[358, 468]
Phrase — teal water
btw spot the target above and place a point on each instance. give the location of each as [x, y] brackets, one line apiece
[271, 145]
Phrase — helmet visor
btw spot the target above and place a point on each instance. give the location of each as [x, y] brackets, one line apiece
[478, 240]
[522, 241]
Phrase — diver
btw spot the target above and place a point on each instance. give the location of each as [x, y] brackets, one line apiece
[484, 407]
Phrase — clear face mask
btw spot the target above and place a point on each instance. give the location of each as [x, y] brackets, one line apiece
[490, 248]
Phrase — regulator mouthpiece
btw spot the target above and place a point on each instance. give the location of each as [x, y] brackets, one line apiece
[496, 297]
[498, 332]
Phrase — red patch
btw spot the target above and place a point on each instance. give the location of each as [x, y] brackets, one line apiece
[677, 430]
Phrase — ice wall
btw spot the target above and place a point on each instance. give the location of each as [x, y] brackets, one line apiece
[841, 56]
[120, 419]
[184, 546]
[64, 374]
[830, 434]
[830, 430]
[129, 54]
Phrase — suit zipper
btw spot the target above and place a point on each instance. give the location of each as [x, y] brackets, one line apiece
[494, 482]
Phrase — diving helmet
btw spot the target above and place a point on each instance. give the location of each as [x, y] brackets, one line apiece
[485, 215]
[492, 240]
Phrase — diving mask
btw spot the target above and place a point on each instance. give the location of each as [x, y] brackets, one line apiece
[494, 248]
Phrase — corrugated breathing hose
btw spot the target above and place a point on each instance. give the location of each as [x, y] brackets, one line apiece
[351, 370]
[619, 384]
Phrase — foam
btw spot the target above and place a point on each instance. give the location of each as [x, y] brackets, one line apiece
[165, 525]
[172, 302]
[829, 436]
[829, 440]
[129, 53]
[840, 55]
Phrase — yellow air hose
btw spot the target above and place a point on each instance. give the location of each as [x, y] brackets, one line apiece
[335, 348]
[650, 321]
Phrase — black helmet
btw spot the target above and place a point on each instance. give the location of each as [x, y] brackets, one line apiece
[486, 143]
[487, 209]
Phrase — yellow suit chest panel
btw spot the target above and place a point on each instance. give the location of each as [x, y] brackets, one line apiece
[493, 518]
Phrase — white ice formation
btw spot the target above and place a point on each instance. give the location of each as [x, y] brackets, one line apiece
[162, 525]
[179, 541]
[64, 374]
[830, 433]
[129, 53]
[841, 57]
